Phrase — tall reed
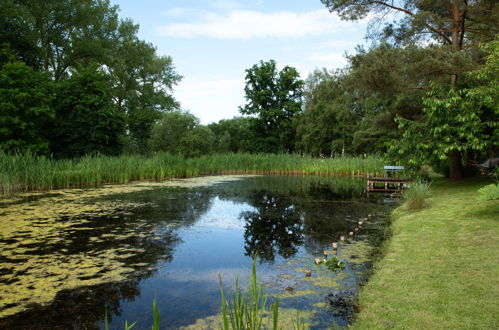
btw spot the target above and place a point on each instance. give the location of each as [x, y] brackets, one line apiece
[416, 195]
[29, 172]
[246, 312]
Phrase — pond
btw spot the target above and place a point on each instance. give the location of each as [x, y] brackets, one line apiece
[68, 256]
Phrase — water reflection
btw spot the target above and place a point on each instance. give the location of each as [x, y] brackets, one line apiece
[275, 226]
[66, 255]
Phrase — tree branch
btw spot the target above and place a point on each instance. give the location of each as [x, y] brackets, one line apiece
[407, 12]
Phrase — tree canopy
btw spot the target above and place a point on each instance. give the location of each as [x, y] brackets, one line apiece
[273, 98]
[64, 40]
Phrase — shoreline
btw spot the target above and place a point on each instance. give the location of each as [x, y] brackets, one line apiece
[439, 267]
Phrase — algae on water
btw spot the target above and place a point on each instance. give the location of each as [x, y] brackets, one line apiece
[48, 244]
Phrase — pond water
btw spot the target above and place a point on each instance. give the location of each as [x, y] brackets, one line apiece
[68, 256]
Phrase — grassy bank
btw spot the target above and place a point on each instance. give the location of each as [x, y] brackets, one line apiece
[26, 172]
[440, 268]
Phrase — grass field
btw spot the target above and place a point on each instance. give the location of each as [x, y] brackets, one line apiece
[27, 172]
[440, 269]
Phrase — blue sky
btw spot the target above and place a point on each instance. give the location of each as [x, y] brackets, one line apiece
[213, 42]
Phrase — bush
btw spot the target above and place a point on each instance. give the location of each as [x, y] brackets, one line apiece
[488, 192]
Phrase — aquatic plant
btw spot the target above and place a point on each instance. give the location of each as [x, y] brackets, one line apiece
[30, 172]
[334, 263]
[247, 311]
[416, 195]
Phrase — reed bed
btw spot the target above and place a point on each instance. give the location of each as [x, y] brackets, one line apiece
[30, 172]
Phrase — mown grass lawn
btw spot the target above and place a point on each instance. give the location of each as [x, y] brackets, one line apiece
[440, 269]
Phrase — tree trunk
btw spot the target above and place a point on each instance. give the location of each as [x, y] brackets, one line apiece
[456, 169]
[470, 169]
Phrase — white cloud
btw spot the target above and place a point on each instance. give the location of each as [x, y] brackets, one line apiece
[248, 24]
[211, 99]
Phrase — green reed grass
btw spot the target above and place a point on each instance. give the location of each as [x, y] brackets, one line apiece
[416, 195]
[30, 172]
[247, 311]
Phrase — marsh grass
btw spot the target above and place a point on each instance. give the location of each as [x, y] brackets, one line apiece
[30, 172]
[247, 311]
[416, 195]
[440, 267]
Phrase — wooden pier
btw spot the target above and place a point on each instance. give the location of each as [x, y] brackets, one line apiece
[383, 184]
[388, 183]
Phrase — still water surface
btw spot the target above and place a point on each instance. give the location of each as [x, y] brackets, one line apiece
[67, 256]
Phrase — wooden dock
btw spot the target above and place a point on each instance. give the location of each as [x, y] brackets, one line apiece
[384, 184]
[388, 183]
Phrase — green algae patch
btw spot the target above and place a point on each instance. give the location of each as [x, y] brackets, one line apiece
[357, 252]
[288, 319]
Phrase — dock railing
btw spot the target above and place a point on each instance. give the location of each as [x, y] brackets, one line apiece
[390, 182]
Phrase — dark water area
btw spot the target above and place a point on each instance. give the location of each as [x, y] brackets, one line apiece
[67, 257]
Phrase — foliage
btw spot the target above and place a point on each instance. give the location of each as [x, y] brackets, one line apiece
[233, 135]
[416, 195]
[25, 107]
[179, 132]
[56, 38]
[419, 20]
[247, 311]
[334, 263]
[274, 98]
[457, 120]
[329, 118]
[87, 121]
[488, 192]
[451, 32]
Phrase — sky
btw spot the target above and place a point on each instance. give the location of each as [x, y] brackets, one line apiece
[212, 43]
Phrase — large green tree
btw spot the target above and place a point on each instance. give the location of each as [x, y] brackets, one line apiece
[456, 121]
[330, 115]
[455, 27]
[87, 120]
[59, 37]
[143, 83]
[273, 99]
[25, 106]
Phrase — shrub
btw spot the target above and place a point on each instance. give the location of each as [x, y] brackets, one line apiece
[488, 192]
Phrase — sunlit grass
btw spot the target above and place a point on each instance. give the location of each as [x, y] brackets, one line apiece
[29, 172]
[440, 267]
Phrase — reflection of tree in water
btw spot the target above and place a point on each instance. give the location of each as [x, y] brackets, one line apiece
[135, 238]
[274, 227]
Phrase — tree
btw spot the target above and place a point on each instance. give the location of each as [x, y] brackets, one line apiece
[273, 98]
[87, 120]
[58, 37]
[143, 83]
[179, 132]
[329, 119]
[456, 26]
[25, 106]
[233, 135]
[457, 121]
